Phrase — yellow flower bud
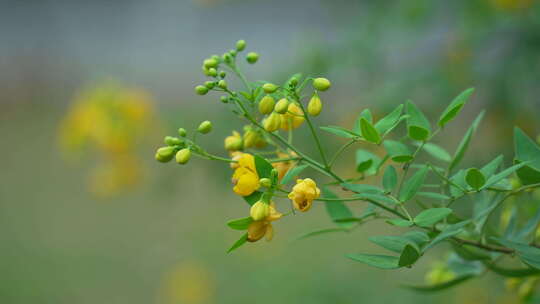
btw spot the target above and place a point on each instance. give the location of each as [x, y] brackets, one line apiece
[282, 106]
[172, 141]
[314, 106]
[265, 182]
[293, 118]
[205, 127]
[183, 156]
[240, 45]
[165, 154]
[321, 84]
[251, 137]
[266, 105]
[201, 90]
[272, 122]
[269, 88]
[259, 211]
[233, 142]
[252, 57]
[210, 63]
[303, 194]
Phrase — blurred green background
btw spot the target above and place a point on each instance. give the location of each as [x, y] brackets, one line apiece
[161, 236]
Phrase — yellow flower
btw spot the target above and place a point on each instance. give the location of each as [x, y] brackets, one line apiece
[284, 166]
[303, 194]
[293, 118]
[258, 229]
[245, 177]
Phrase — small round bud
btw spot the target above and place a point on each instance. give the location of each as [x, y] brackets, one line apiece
[272, 122]
[294, 81]
[282, 106]
[234, 142]
[164, 154]
[269, 88]
[205, 127]
[259, 211]
[182, 132]
[266, 104]
[215, 57]
[251, 138]
[252, 57]
[183, 156]
[210, 63]
[265, 182]
[222, 84]
[321, 84]
[209, 84]
[233, 53]
[201, 90]
[240, 45]
[222, 74]
[205, 71]
[212, 72]
[224, 99]
[172, 141]
[227, 58]
[314, 106]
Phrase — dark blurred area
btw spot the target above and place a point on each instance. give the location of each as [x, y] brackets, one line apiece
[157, 234]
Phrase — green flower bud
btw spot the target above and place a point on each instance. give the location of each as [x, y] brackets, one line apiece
[164, 154]
[259, 211]
[222, 84]
[222, 74]
[227, 58]
[265, 182]
[212, 72]
[205, 127]
[209, 84]
[210, 63]
[240, 45]
[173, 141]
[282, 106]
[269, 88]
[224, 99]
[252, 57]
[182, 132]
[233, 53]
[215, 57]
[183, 156]
[314, 106]
[321, 84]
[201, 90]
[294, 81]
[272, 122]
[266, 104]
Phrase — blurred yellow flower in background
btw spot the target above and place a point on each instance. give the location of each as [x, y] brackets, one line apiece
[110, 121]
[189, 282]
[284, 166]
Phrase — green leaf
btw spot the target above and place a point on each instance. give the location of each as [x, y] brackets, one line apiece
[527, 254]
[527, 150]
[417, 124]
[292, 173]
[339, 131]
[434, 195]
[366, 162]
[475, 178]
[362, 188]
[379, 261]
[441, 286]
[490, 169]
[387, 122]
[240, 224]
[455, 107]
[437, 152]
[512, 273]
[529, 227]
[380, 198]
[398, 151]
[389, 179]
[336, 209]
[429, 217]
[501, 175]
[390, 242]
[322, 231]
[464, 144]
[238, 243]
[409, 255]
[369, 132]
[413, 184]
[264, 168]
[253, 197]
[400, 222]
[364, 114]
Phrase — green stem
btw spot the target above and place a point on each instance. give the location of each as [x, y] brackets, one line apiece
[406, 168]
[395, 212]
[338, 152]
[314, 134]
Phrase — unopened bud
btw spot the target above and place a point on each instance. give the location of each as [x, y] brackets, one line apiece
[201, 90]
[224, 99]
[183, 156]
[227, 58]
[240, 45]
[321, 84]
[233, 53]
[266, 104]
[269, 88]
[212, 72]
[209, 84]
[234, 142]
[210, 63]
[172, 141]
[265, 182]
[222, 74]
[182, 132]
[259, 211]
[272, 122]
[222, 84]
[294, 81]
[252, 57]
[314, 105]
[282, 106]
[205, 127]
[164, 154]
[250, 138]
